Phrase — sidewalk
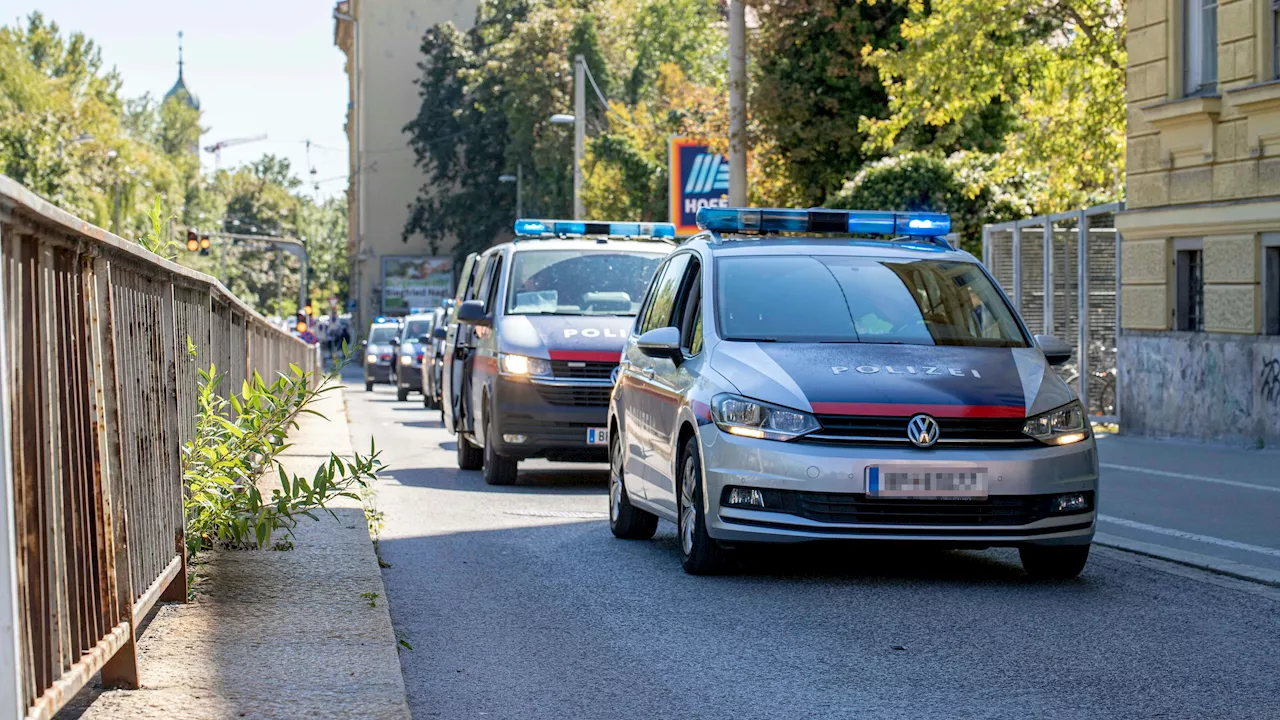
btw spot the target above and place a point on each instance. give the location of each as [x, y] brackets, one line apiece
[1210, 506]
[276, 634]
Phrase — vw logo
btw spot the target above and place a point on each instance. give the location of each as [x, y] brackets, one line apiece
[922, 430]
[613, 376]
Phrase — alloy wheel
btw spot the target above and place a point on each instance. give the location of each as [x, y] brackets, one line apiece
[615, 480]
[688, 508]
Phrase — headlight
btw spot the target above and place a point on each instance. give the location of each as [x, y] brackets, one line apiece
[406, 359]
[523, 365]
[1062, 426]
[751, 418]
[371, 358]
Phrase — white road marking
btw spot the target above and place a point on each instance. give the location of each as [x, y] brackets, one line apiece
[1185, 476]
[1190, 536]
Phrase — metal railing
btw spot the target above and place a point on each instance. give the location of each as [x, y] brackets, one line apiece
[1063, 273]
[98, 392]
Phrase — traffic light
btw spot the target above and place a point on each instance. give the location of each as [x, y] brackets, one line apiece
[204, 244]
[193, 243]
[306, 309]
[301, 327]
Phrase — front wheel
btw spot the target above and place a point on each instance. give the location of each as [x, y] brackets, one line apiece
[626, 521]
[1053, 562]
[498, 469]
[402, 394]
[700, 553]
[368, 386]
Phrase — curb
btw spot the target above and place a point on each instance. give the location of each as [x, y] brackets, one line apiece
[1230, 568]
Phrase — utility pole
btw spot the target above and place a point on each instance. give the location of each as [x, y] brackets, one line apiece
[737, 104]
[519, 190]
[579, 130]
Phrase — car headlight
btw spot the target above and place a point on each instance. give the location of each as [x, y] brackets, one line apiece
[523, 365]
[1062, 426]
[751, 418]
[406, 359]
[371, 358]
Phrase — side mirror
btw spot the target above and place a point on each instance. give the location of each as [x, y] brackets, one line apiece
[395, 342]
[472, 312]
[440, 332]
[1055, 351]
[661, 343]
[424, 339]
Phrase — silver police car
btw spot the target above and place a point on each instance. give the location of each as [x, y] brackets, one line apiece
[870, 384]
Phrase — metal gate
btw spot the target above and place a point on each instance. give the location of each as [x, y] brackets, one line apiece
[1063, 273]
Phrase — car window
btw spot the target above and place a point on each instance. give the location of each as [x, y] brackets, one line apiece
[382, 335]
[491, 284]
[464, 278]
[477, 278]
[688, 306]
[695, 333]
[573, 282]
[664, 291]
[803, 298]
[415, 329]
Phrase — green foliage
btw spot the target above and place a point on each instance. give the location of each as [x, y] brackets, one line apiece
[960, 185]
[1052, 74]
[237, 442]
[371, 598]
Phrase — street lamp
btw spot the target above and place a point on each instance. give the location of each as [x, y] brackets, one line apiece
[562, 119]
[518, 179]
[578, 120]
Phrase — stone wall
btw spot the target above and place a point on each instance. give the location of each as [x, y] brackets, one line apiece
[1207, 386]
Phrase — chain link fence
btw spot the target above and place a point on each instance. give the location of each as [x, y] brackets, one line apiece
[1063, 273]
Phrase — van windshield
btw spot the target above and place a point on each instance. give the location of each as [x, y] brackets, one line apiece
[573, 282]
[382, 334]
[415, 329]
[803, 298]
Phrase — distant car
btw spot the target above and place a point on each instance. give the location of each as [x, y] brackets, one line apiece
[433, 359]
[379, 351]
[412, 342]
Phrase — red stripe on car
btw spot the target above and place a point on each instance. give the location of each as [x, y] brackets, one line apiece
[585, 355]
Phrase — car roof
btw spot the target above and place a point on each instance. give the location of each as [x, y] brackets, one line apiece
[419, 316]
[827, 245]
[589, 244]
[395, 325]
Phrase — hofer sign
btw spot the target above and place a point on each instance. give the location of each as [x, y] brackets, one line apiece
[699, 178]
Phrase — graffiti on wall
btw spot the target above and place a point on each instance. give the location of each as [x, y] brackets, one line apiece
[1270, 377]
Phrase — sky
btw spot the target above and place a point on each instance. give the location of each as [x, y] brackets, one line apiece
[265, 67]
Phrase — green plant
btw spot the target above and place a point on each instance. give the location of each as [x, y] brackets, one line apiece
[371, 598]
[402, 639]
[237, 441]
[157, 239]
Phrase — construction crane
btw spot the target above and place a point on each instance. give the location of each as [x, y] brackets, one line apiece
[217, 147]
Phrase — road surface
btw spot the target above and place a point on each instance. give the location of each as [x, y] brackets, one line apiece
[519, 604]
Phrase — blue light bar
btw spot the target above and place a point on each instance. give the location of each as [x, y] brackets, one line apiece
[563, 228]
[859, 222]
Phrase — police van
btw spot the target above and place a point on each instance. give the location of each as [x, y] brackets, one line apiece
[800, 375]
[538, 331]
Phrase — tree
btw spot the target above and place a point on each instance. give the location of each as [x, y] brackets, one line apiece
[1058, 66]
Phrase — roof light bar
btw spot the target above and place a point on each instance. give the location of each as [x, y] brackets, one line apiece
[560, 228]
[860, 222]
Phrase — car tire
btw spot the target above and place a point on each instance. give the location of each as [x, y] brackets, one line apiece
[1053, 562]
[368, 386]
[498, 469]
[626, 521]
[470, 457]
[402, 394]
[700, 554]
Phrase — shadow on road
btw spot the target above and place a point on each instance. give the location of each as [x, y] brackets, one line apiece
[590, 478]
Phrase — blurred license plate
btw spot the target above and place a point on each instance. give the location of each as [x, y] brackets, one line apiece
[915, 481]
[597, 436]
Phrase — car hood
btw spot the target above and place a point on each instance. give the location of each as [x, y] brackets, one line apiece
[894, 380]
[558, 337]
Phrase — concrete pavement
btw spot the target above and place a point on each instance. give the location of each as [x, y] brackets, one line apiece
[520, 604]
[274, 634]
[1206, 505]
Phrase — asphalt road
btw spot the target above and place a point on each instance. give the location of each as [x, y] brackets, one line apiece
[519, 604]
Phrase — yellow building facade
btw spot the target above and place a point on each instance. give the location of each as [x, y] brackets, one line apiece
[1200, 257]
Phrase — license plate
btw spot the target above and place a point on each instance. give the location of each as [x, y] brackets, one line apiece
[597, 436]
[915, 481]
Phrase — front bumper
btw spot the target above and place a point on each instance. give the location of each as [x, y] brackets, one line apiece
[377, 372]
[818, 478]
[553, 418]
[409, 377]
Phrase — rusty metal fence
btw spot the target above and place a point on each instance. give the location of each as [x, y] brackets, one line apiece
[1062, 272]
[98, 394]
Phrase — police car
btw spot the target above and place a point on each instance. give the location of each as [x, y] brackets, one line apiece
[380, 351]
[870, 384]
[540, 326]
[413, 341]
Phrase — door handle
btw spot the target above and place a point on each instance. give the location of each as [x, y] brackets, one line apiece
[648, 372]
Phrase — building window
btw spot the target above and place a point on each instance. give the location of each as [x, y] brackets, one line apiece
[1271, 290]
[1189, 309]
[1200, 47]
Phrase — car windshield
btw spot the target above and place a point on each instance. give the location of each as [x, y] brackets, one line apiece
[803, 298]
[572, 282]
[382, 334]
[415, 329]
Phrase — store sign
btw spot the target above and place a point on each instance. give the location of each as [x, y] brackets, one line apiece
[699, 178]
[415, 282]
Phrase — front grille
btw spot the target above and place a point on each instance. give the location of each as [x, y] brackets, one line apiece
[580, 396]
[858, 509]
[953, 432]
[583, 369]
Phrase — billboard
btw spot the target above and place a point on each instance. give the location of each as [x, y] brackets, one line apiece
[411, 283]
[699, 178]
